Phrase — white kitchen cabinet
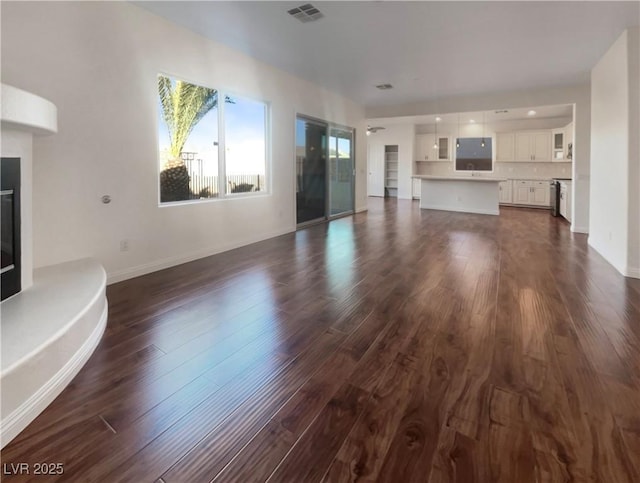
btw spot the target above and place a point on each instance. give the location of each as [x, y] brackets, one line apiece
[424, 147]
[533, 146]
[415, 189]
[506, 191]
[505, 146]
[562, 138]
[531, 193]
[521, 191]
[565, 199]
[425, 150]
[558, 140]
[540, 193]
[444, 148]
[542, 146]
[569, 202]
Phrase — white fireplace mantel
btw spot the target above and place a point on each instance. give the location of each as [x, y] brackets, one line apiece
[24, 111]
[50, 328]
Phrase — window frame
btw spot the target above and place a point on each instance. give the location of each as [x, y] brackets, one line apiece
[222, 173]
[454, 158]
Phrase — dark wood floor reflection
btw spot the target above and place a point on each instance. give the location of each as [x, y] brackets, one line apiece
[398, 345]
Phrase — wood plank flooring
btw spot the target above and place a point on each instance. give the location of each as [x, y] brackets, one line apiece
[396, 345]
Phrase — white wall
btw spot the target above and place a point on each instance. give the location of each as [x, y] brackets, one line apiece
[579, 96]
[404, 137]
[98, 62]
[613, 218]
[633, 262]
[610, 155]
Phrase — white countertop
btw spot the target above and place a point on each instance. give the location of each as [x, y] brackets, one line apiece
[502, 178]
[485, 179]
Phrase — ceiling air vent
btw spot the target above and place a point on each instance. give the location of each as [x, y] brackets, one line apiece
[384, 87]
[306, 13]
[502, 111]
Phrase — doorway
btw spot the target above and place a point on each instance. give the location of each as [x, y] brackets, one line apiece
[325, 176]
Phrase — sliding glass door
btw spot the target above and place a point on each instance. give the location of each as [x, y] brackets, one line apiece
[324, 170]
[340, 171]
[311, 170]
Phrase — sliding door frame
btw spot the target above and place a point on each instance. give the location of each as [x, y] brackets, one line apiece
[329, 126]
[352, 154]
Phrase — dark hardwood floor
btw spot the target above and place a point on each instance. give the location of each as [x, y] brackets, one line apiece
[397, 345]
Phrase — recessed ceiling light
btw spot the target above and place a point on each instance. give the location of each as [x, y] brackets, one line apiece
[438, 119]
[384, 87]
[472, 121]
[531, 113]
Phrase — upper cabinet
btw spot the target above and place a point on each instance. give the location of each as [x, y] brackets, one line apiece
[425, 150]
[563, 144]
[533, 146]
[505, 146]
[558, 140]
[444, 148]
[424, 147]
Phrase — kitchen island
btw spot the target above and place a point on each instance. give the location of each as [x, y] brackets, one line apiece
[468, 194]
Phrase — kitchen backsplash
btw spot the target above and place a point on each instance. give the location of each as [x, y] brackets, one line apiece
[505, 170]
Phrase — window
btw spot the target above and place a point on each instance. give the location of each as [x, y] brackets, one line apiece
[245, 133]
[194, 127]
[474, 154]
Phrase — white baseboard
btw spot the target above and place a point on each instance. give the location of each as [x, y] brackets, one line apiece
[138, 270]
[627, 271]
[632, 272]
[20, 418]
[580, 229]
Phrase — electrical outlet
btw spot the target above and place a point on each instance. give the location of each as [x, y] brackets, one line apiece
[124, 245]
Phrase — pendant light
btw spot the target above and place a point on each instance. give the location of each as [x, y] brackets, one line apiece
[458, 138]
[482, 143]
[435, 142]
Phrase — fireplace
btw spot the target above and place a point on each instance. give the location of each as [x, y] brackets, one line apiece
[10, 227]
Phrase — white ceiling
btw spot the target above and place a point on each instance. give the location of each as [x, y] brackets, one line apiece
[563, 111]
[427, 50]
